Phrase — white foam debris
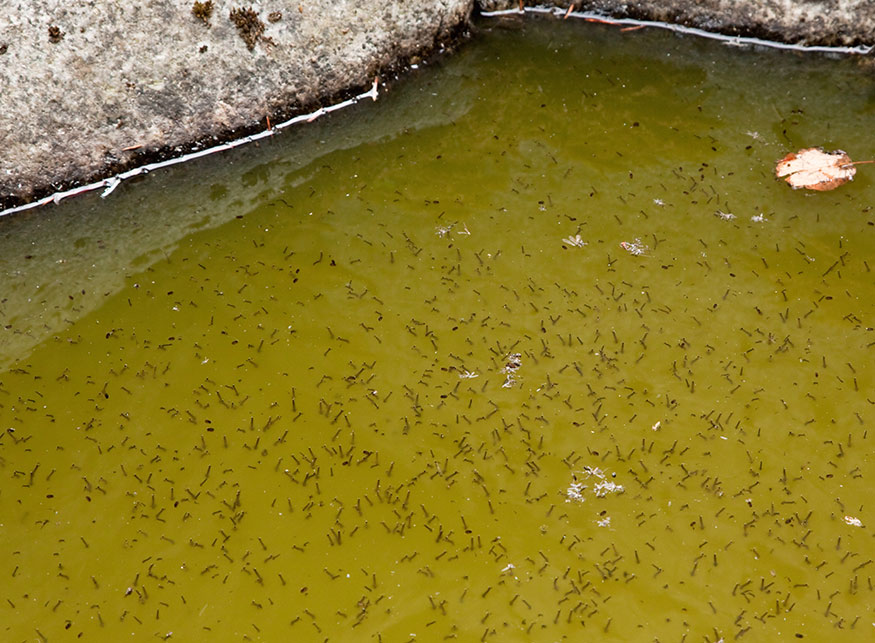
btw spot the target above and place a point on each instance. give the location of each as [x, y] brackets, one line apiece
[575, 241]
[575, 492]
[605, 522]
[594, 471]
[468, 375]
[853, 522]
[726, 216]
[603, 488]
[634, 247]
[600, 489]
[512, 364]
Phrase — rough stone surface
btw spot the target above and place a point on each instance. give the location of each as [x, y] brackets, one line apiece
[82, 81]
[88, 89]
[807, 22]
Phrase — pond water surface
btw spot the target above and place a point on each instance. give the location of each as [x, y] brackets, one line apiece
[535, 348]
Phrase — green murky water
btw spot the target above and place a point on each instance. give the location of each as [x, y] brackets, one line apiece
[359, 383]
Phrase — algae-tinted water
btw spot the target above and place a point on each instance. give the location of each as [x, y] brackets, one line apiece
[394, 376]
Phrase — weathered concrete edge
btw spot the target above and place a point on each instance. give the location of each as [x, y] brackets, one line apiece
[828, 23]
[735, 40]
[409, 35]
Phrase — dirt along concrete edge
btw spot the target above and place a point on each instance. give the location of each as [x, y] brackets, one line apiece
[91, 91]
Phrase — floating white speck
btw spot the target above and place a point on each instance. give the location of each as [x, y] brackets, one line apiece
[509, 567]
[634, 247]
[600, 489]
[759, 218]
[656, 426]
[726, 216]
[853, 522]
[468, 375]
[575, 241]
[659, 201]
[605, 522]
[445, 230]
[575, 492]
[603, 488]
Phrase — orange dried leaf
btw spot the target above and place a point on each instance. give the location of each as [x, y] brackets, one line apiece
[815, 169]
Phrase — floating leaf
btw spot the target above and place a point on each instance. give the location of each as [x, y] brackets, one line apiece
[815, 169]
